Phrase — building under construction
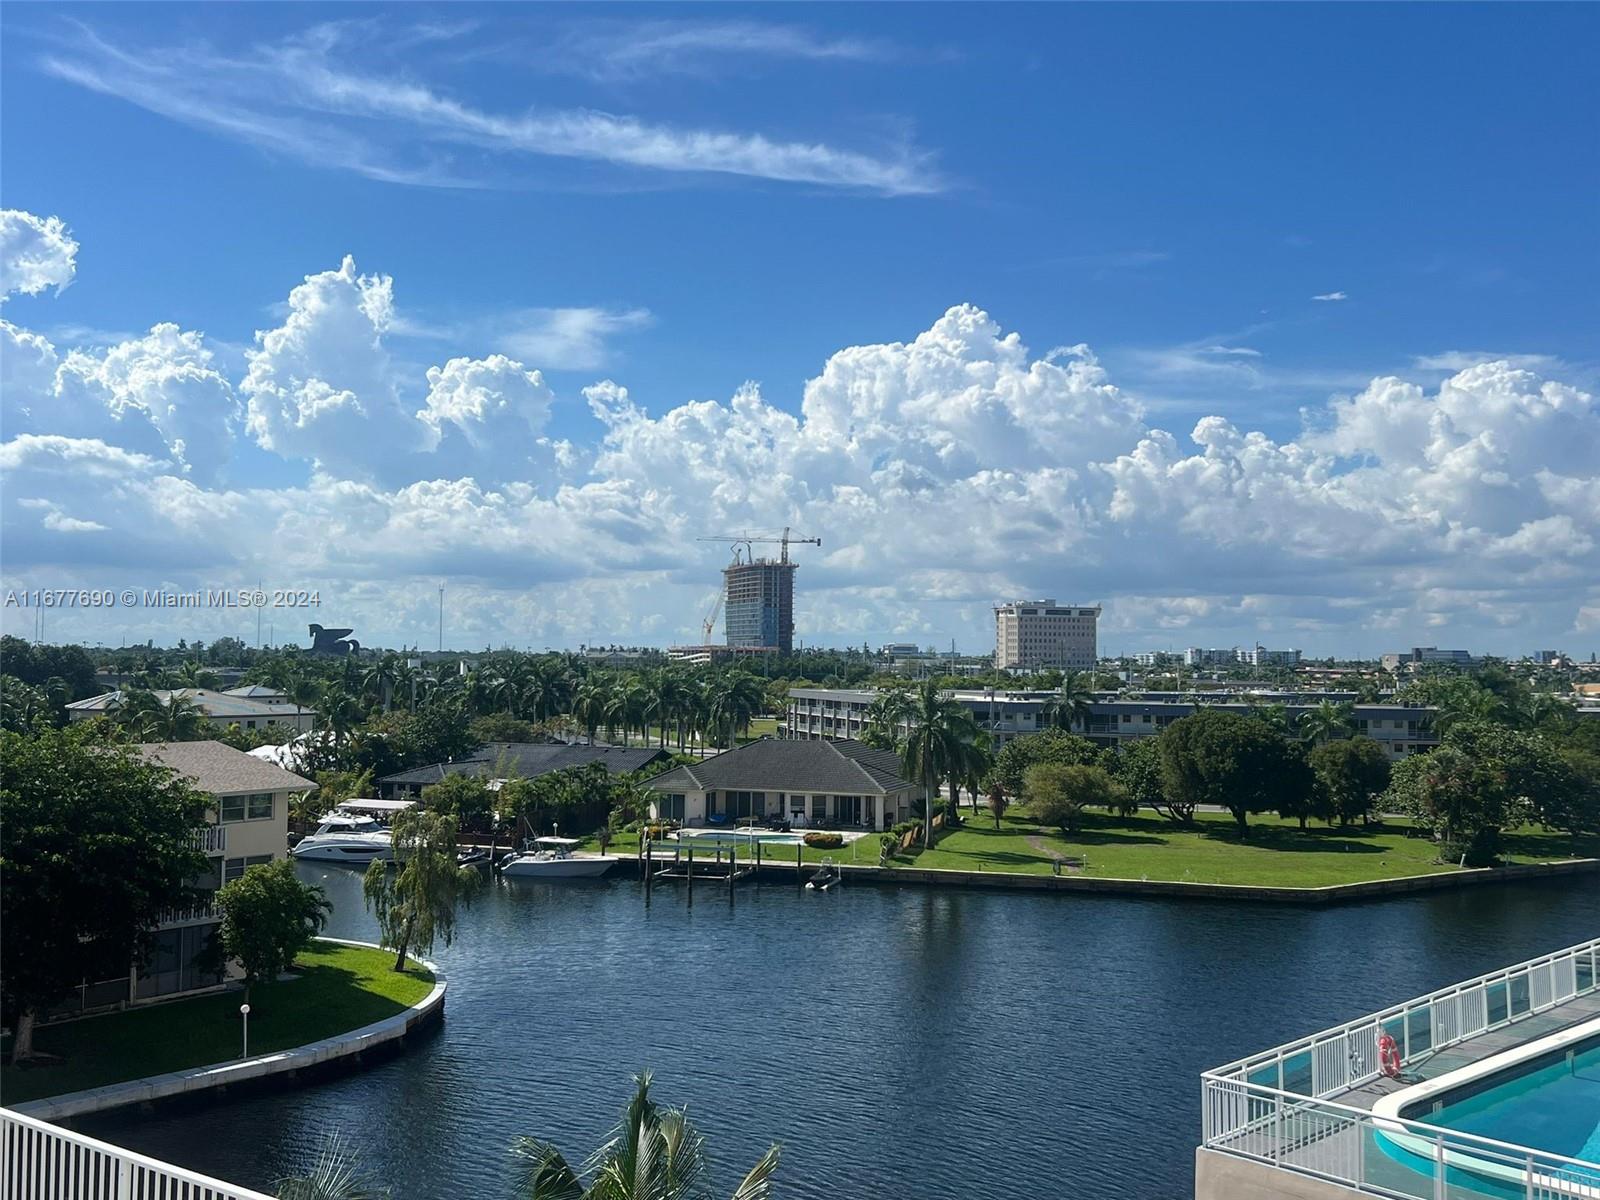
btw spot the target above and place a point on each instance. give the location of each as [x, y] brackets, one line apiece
[758, 595]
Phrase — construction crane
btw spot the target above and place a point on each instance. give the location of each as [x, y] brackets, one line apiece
[710, 623]
[748, 541]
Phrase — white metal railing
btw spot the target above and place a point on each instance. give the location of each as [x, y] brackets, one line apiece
[1382, 1156]
[1273, 1106]
[189, 914]
[40, 1161]
[1346, 1056]
[211, 839]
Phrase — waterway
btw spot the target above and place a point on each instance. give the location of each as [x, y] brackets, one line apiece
[906, 1044]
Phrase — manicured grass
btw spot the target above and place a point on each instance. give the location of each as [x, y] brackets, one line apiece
[340, 988]
[1276, 853]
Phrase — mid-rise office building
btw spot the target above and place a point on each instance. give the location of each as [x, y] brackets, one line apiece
[1031, 635]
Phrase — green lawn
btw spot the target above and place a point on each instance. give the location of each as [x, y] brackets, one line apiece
[1276, 853]
[340, 988]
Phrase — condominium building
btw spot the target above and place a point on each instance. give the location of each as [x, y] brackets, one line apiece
[1031, 635]
[1401, 729]
[221, 708]
[758, 605]
[1422, 656]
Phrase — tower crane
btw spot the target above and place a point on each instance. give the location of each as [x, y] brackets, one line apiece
[748, 541]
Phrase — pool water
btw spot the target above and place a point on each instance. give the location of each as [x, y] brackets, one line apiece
[1552, 1103]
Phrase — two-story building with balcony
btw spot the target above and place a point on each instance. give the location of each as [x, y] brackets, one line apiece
[248, 824]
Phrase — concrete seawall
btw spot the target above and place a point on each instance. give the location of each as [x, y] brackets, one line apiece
[1342, 893]
[386, 1034]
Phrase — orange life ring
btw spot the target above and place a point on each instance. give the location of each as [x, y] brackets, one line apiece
[1388, 1055]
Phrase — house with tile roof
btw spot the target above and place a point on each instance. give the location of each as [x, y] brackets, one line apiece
[843, 783]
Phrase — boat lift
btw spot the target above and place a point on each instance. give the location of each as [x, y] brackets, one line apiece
[717, 870]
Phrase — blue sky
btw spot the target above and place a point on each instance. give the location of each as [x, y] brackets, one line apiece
[1244, 212]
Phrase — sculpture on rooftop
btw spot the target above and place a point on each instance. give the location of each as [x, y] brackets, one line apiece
[333, 641]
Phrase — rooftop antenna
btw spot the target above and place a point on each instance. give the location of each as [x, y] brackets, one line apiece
[441, 618]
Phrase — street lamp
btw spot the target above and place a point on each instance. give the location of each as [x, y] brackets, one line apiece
[244, 1012]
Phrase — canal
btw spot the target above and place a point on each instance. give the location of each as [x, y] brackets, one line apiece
[905, 1044]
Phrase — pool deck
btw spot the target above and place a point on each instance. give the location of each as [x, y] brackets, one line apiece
[1464, 1054]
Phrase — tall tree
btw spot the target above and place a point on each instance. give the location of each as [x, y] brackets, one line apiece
[886, 717]
[1326, 722]
[653, 1154]
[1214, 757]
[416, 904]
[1352, 773]
[1072, 702]
[95, 842]
[940, 727]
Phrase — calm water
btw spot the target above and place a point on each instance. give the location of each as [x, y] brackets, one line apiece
[900, 1044]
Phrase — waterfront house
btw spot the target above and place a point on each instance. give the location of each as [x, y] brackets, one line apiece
[496, 762]
[248, 824]
[808, 782]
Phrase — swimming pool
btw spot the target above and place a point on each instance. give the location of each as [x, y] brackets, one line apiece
[1544, 1096]
[1550, 1103]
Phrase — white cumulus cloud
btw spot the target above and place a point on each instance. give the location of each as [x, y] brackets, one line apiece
[35, 253]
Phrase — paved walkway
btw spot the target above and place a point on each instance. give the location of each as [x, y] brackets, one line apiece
[1463, 1054]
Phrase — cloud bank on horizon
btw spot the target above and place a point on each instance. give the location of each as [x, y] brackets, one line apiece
[943, 473]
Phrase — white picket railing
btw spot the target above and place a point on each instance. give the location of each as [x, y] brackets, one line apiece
[211, 839]
[40, 1161]
[1274, 1107]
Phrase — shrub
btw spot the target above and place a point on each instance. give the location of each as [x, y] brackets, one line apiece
[656, 830]
[821, 840]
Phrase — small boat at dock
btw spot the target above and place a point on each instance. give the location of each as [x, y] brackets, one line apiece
[554, 858]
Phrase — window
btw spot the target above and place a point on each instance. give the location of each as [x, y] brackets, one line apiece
[236, 867]
[819, 807]
[669, 807]
[256, 807]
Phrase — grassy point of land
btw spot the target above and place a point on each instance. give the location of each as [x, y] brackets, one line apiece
[1276, 853]
[340, 988]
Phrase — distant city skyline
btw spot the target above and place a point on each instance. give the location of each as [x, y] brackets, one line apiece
[1237, 321]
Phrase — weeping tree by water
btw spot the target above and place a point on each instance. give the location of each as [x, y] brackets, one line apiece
[416, 904]
[654, 1154]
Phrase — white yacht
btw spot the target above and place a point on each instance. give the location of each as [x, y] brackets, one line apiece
[346, 837]
[555, 858]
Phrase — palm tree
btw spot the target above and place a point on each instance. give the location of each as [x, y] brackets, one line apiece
[732, 700]
[175, 719]
[1468, 702]
[653, 1154]
[381, 677]
[589, 705]
[1072, 703]
[940, 727]
[1274, 716]
[885, 717]
[334, 1176]
[1326, 722]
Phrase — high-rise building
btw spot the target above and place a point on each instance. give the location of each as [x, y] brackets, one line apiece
[1032, 634]
[758, 604]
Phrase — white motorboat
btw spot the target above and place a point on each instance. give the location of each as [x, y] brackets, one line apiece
[346, 837]
[555, 858]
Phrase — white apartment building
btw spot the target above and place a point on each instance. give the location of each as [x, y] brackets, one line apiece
[221, 708]
[1113, 720]
[1031, 635]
